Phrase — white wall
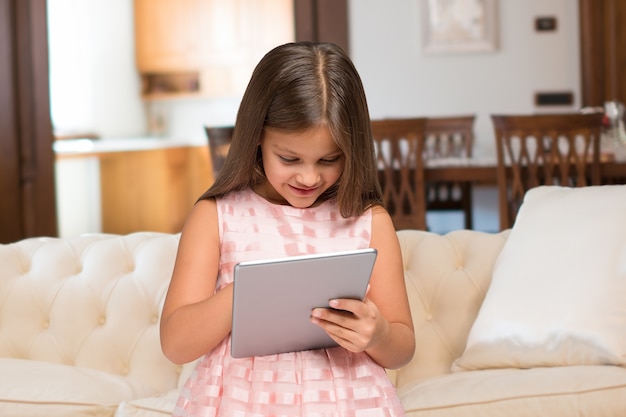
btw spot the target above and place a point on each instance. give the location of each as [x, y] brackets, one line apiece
[94, 84]
[401, 80]
[94, 87]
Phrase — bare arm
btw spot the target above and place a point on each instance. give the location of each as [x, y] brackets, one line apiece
[194, 318]
[381, 325]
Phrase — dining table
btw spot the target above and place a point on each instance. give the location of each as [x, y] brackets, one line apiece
[482, 170]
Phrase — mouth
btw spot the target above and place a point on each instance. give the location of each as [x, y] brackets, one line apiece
[303, 192]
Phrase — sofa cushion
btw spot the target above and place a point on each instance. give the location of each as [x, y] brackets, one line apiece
[158, 405]
[584, 391]
[558, 287]
[33, 388]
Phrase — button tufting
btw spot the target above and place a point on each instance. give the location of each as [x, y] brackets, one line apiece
[155, 319]
[125, 370]
[45, 324]
[102, 320]
[429, 316]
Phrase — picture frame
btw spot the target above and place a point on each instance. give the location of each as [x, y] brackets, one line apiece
[459, 26]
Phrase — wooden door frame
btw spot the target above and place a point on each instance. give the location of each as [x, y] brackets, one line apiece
[27, 186]
[322, 21]
[602, 53]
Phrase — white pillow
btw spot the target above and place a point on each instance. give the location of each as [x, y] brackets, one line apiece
[558, 291]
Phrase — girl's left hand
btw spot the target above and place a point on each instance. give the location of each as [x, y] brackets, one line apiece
[355, 325]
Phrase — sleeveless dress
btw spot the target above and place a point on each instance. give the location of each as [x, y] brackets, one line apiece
[331, 382]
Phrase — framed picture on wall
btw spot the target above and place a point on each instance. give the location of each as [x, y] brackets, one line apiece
[452, 26]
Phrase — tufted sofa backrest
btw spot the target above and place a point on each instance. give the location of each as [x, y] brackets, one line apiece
[92, 301]
[447, 277]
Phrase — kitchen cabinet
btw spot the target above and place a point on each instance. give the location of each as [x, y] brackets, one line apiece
[152, 190]
[129, 184]
[206, 47]
[167, 35]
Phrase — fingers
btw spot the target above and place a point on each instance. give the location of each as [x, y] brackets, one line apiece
[329, 320]
[351, 323]
[342, 312]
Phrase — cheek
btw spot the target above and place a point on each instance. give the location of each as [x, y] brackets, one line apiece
[268, 164]
[274, 169]
[333, 175]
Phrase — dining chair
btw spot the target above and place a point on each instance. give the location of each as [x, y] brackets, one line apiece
[219, 142]
[544, 149]
[399, 145]
[449, 137]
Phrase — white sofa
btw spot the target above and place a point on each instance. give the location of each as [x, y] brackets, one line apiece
[79, 333]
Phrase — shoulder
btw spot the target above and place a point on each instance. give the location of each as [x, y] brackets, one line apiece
[207, 212]
[382, 225]
[380, 216]
[202, 220]
[204, 207]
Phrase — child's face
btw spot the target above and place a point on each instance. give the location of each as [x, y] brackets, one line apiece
[300, 166]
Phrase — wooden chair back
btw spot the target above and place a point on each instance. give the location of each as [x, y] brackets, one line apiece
[544, 149]
[450, 137]
[219, 142]
[399, 148]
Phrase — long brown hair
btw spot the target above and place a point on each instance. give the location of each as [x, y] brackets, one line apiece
[297, 86]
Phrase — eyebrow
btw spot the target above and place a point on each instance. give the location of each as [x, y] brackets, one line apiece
[280, 148]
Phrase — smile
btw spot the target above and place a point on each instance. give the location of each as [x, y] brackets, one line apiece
[303, 191]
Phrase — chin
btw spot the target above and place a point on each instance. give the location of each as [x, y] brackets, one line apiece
[302, 202]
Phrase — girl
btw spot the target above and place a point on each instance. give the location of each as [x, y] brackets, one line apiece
[300, 177]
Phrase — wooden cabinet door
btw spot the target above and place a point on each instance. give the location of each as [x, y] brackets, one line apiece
[236, 34]
[219, 40]
[167, 35]
[152, 190]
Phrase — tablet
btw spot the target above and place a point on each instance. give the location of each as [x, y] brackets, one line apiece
[273, 299]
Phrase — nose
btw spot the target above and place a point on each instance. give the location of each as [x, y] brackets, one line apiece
[309, 176]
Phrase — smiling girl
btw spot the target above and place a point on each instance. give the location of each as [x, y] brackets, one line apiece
[300, 178]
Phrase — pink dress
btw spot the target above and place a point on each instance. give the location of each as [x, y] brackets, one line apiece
[314, 383]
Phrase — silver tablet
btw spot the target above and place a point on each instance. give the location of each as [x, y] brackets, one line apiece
[273, 299]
